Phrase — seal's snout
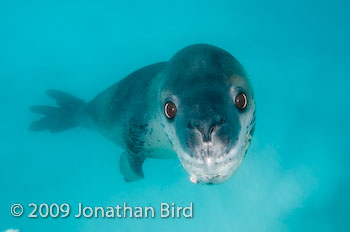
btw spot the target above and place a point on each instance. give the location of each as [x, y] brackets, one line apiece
[206, 129]
[206, 132]
[209, 149]
[206, 137]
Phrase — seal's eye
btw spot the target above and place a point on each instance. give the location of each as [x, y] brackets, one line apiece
[170, 110]
[241, 101]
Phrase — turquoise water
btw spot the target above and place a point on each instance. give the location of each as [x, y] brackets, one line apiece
[295, 176]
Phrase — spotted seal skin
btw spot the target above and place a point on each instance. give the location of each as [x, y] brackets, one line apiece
[199, 106]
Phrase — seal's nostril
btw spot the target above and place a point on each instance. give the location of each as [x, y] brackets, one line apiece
[212, 129]
[206, 131]
[206, 134]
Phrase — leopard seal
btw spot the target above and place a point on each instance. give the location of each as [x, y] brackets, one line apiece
[198, 106]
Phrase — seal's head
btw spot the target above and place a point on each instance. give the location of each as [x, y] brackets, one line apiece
[208, 111]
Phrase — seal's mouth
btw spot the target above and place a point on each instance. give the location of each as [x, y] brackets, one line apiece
[208, 172]
[209, 165]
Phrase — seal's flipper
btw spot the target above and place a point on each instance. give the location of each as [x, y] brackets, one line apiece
[57, 118]
[65, 100]
[131, 167]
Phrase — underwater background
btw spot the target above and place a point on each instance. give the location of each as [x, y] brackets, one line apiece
[295, 176]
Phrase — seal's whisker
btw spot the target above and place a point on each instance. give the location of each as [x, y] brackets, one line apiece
[177, 166]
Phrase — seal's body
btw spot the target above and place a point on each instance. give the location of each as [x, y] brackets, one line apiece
[198, 106]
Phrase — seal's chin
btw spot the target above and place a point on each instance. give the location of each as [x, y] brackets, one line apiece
[209, 179]
[210, 167]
